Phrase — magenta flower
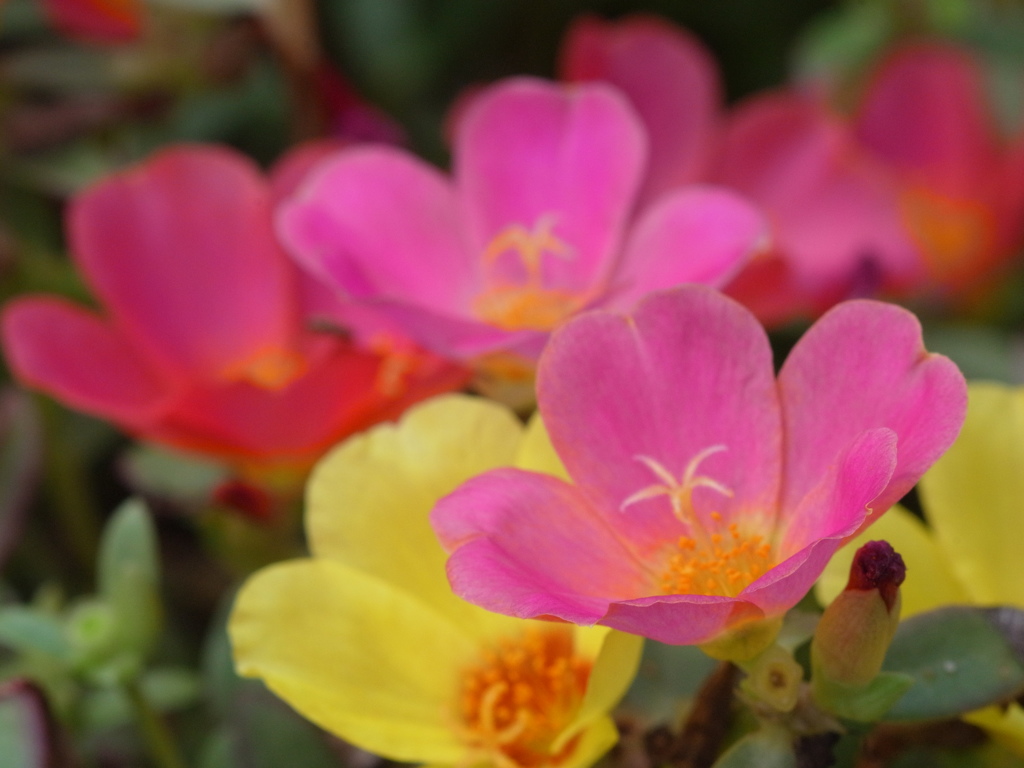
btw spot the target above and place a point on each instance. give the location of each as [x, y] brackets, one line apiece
[202, 343]
[705, 493]
[535, 224]
[833, 212]
[925, 115]
[670, 79]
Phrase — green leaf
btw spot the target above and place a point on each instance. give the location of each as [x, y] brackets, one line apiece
[167, 688]
[129, 577]
[770, 747]
[172, 476]
[842, 41]
[24, 728]
[867, 704]
[959, 660]
[128, 549]
[981, 352]
[26, 629]
[668, 676]
[267, 733]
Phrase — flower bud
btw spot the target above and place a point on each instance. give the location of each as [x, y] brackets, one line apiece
[855, 631]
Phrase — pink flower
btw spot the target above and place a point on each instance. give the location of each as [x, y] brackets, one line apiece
[925, 115]
[535, 224]
[834, 210]
[96, 21]
[202, 344]
[705, 493]
[835, 229]
[669, 77]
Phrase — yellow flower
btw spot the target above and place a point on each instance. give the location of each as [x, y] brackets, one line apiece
[970, 553]
[366, 639]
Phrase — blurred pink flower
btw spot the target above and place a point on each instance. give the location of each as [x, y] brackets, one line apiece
[833, 215]
[669, 77]
[834, 211]
[202, 345]
[705, 494]
[535, 224]
[96, 21]
[925, 115]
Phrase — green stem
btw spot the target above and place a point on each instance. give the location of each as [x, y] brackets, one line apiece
[154, 729]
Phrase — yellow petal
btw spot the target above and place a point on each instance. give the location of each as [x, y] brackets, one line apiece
[594, 742]
[369, 500]
[355, 655]
[972, 496]
[536, 452]
[930, 580]
[1005, 727]
[616, 658]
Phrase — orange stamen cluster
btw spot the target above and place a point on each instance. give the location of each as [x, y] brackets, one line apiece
[713, 559]
[526, 305]
[957, 237]
[722, 561]
[271, 368]
[515, 308]
[400, 363]
[516, 702]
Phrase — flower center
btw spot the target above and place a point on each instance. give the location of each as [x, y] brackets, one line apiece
[714, 558]
[400, 362]
[722, 561]
[525, 303]
[953, 234]
[270, 368]
[520, 698]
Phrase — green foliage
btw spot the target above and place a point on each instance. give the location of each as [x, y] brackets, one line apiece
[669, 675]
[866, 704]
[959, 661]
[179, 478]
[770, 747]
[23, 729]
[256, 729]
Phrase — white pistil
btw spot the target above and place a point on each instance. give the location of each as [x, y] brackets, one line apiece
[679, 492]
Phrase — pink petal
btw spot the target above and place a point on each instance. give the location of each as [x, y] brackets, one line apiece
[837, 505]
[834, 214]
[845, 227]
[768, 287]
[526, 544]
[689, 371]
[925, 113]
[527, 150]
[456, 338]
[291, 170]
[777, 146]
[344, 391]
[668, 76]
[863, 366]
[181, 251]
[700, 235]
[375, 222]
[824, 520]
[787, 583]
[680, 619]
[80, 359]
